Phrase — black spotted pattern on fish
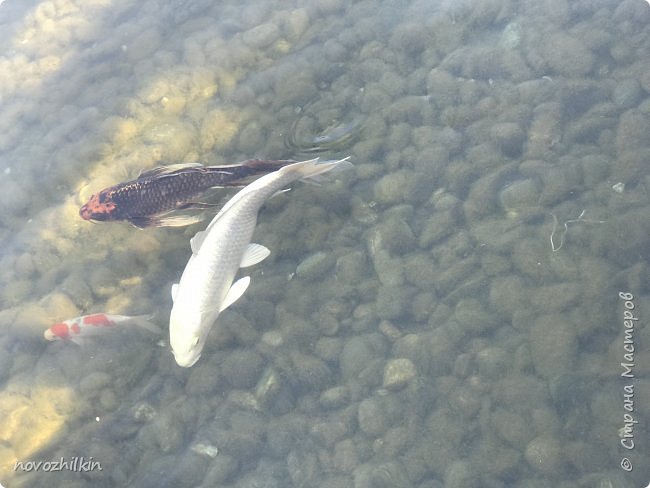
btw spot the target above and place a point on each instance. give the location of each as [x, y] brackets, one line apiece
[143, 200]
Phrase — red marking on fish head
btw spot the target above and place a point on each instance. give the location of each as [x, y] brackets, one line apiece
[98, 207]
[59, 331]
[98, 320]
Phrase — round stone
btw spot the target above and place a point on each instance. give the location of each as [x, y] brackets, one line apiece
[398, 372]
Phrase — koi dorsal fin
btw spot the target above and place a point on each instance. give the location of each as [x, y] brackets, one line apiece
[196, 241]
[163, 170]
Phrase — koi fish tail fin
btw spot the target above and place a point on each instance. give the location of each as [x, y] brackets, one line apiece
[314, 171]
[144, 321]
[267, 165]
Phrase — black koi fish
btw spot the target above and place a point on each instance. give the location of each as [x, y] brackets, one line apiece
[153, 197]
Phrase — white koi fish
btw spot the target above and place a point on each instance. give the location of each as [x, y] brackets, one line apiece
[77, 330]
[206, 286]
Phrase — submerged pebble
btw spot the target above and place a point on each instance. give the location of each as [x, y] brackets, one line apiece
[242, 368]
[358, 352]
[519, 195]
[391, 188]
[334, 397]
[545, 454]
[398, 373]
[94, 382]
[315, 266]
[351, 268]
[509, 138]
[553, 344]
[261, 36]
[205, 449]
[376, 414]
[461, 474]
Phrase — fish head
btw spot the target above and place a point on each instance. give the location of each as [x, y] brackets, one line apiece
[99, 207]
[186, 338]
[58, 331]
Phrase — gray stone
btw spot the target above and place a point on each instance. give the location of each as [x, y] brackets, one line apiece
[558, 297]
[394, 235]
[508, 294]
[410, 37]
[294, 91]
[251, 138]
[436, 227]
[390, 473]
[461, 474]
[421, 270]
[220, 471]
[376, 414]
[559, 182]
[398, 373]
[513, 428]
[335, 397]
[328, 7]
[168, 432]
[393, 301]
[442, 87]
[545, 131]
[315, 266]
[545, 455]
[309, 372]
[261, 36]
[345, 457]
[509, 138]
[465, 401]
[391, 188]
[627, 93]
[519, 195]
[358, 352]
[94, 382]
[631, 133]
[567, 55]
[482, 198]
[328, 348]
[492, 362]
[351, 268]
[203, 380]
[472, 317]
[553, 345]
[268, 387]
[242, 368]
[595, 169]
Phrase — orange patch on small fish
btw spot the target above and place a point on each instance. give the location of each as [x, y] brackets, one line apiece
[79, 329]
[98, 319]
[60, 330]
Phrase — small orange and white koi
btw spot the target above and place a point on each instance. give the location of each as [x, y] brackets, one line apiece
[78, 329]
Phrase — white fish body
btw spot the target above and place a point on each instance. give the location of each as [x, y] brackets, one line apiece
[206, 286]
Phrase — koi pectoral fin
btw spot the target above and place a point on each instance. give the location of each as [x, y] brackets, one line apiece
[141, 222]
[198, 206]
[166, 221]
[254, 254]
[236, 291]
